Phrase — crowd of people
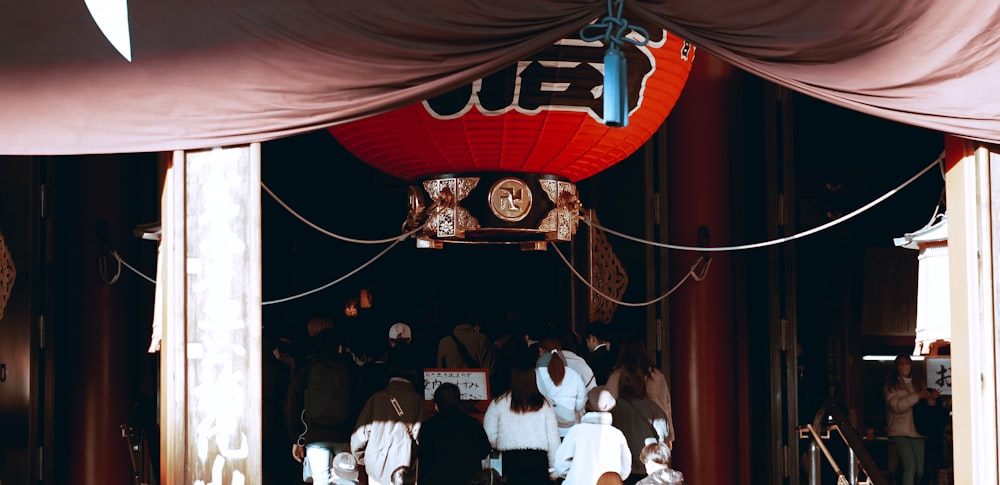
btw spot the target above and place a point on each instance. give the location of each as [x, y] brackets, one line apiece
[564, 409]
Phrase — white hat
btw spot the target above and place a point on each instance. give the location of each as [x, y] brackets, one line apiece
[399, 330]
[345, 466]
[600, 399]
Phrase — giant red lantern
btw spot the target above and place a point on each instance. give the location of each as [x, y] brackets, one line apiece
[497, 160]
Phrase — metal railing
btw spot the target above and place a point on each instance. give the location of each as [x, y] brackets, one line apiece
[143, 472]
[830, 422]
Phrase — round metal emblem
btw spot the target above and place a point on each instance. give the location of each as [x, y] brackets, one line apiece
[510, 199]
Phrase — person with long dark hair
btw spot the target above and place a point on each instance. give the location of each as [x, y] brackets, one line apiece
[522, 426]
[903, 390]
[635, 369]
[639, 419]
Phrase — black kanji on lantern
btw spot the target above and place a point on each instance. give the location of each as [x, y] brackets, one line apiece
[566, 76]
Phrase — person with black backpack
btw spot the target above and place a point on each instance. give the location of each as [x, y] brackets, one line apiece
[323, 404]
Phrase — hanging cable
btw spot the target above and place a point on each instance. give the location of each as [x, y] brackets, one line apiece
[105, 272]
[338, 280]
[394, 240]
[698, 270]
[701, 274]
[588, 221]
[692, 273]
[338, 236]
[121, 262]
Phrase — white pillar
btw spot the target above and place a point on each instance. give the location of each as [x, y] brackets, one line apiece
[973, 235]
[211, 347]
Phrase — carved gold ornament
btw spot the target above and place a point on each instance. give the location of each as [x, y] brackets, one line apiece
[446, 216]
[7, 274]
[560, 223]
[516, 208]
[606, 274]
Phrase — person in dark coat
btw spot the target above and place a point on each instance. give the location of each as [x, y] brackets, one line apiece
[599, 355]
[375, 372]
[321, 442]
[452, 443]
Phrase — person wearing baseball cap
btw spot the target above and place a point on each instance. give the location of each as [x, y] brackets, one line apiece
[345, 469]
[401, 349]
[399, 332]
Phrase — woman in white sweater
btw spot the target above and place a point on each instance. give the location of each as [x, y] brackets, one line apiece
[561, 385]
[522, 426]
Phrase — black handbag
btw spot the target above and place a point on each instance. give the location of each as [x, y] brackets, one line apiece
[926, 418]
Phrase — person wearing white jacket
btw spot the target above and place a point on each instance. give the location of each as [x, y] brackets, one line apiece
[594, 446]
[562, 386]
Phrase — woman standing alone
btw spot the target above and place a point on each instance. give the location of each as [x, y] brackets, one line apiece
[902, 391]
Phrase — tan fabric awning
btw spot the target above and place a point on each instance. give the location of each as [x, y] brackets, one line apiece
[210, 73]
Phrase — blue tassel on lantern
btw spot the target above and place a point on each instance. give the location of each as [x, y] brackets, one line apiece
[615, 88]
[615, 30]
